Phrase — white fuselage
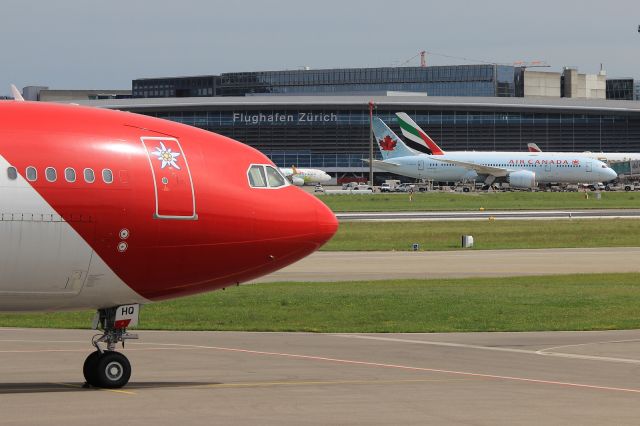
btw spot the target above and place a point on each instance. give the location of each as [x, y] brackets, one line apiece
[45, 263]
[608, 157]
[561, 168]
[307, 176]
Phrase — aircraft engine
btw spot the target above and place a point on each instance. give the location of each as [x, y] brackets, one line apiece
[522, 179]
[297, 181]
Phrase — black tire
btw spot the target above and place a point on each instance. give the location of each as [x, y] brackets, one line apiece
[113, 370]
[90, 367]
[465, 189]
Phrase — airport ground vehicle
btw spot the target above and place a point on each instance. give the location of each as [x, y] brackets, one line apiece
[403, 187]
[355, 186]
[385, 187]
[389, 185]
[622, 186]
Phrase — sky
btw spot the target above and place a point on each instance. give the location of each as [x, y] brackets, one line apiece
[88, 44]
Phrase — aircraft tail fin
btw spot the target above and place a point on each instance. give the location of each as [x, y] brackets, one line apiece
[390, 145]
[533, 147]
[416, 137]
[16, 93]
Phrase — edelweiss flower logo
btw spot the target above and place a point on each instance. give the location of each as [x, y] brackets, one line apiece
[167, 157]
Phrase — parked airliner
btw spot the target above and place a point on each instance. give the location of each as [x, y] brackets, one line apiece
[608, 157]
[109, 210]
[300, 176]
[520, 170]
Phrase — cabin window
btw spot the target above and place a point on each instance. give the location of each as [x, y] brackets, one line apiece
[51, 174]
[107, 175]
[12, 173]
[89, 175]
[70, 174]
[274, 177]
[32, 173]
[256, 177]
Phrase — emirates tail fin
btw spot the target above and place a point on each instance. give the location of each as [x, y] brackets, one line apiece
[417, 139]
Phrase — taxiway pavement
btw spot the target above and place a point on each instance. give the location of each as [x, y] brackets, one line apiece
[193, 378]
[491, 214]
[352, 266]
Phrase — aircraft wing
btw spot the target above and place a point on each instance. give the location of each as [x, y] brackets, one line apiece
[384, 165]
[479, 168]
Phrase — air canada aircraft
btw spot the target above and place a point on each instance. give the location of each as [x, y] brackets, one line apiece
[520, 170]
[608, 157]
[111, 210]
[299, 176]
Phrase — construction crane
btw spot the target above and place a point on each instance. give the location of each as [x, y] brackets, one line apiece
[523, 64]
[531, 64]
[423, 59]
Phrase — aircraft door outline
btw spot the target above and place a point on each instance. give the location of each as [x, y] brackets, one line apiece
[589, 167]
[172, 181]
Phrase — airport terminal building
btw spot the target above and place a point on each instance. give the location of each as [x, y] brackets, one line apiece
[332, 132]
[320, 118]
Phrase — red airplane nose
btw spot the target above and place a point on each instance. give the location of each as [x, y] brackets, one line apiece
[327, 223]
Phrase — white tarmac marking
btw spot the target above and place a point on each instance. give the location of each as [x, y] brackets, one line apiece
[482, 215]
[412, 368]
[162, 346]
[552, 352]
[454, 219]
[543, 352]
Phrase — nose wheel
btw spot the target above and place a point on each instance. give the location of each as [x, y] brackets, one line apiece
[110, 370]
[106, 368]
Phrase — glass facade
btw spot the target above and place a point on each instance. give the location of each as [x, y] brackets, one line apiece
[338, 137]
[454, 80]
[621, 89]
[175, 87]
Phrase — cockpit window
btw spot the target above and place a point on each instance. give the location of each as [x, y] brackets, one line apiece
[274, 177]
[256, 177]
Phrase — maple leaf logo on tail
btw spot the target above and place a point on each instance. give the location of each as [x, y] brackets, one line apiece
[576, 162]
[387, 144]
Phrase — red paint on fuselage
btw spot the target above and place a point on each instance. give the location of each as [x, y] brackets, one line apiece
[240, 232]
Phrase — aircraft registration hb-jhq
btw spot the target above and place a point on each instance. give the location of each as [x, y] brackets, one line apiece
[423, 159]
[109, 210]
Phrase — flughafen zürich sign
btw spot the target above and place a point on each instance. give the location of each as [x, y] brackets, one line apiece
[276, 117]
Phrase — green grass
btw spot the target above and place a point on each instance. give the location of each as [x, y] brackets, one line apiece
[568, 302]
[474, 201]
[487, 234]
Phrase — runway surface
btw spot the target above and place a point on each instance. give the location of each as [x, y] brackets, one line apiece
[352, 266]
[495, 214]
[193, 378]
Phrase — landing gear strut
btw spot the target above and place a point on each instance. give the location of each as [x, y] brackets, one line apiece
[106, 368]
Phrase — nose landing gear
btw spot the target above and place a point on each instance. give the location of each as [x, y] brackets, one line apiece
[106, 368]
